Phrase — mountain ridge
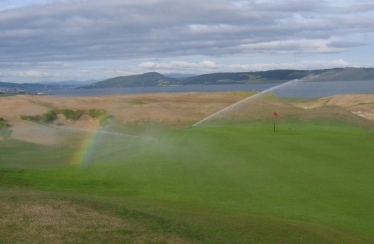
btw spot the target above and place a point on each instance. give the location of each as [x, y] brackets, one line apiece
[151, 79]
[270, 76]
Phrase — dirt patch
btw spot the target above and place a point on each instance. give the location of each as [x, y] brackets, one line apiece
[364, 114]
[37, 217]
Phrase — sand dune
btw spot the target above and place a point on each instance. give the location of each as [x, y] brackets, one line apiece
[170, 109]
[359, 104]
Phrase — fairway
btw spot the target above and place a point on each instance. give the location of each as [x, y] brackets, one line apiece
[308, 182]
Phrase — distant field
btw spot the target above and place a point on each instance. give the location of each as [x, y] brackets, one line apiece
[7, 94]
[230, 180]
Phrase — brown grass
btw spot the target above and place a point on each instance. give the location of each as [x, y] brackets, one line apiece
[172, 109]
[39, 217]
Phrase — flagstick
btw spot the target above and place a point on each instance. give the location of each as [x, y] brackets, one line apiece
[275, 115]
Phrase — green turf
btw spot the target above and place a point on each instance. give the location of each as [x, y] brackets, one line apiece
[305, 183]
[7, 94]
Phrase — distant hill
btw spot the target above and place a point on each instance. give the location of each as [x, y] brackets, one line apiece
[69, 83]
[44, 85]
[156, 79]
[147, 79]
[23, 86]
[345, 74]
[179, 75]
[245, 77]
[271, 76]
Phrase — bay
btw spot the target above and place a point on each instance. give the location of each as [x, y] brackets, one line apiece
[304, 89]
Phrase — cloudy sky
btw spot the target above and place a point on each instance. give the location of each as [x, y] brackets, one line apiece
[56, 40]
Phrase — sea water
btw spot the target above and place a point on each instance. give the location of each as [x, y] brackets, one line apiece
[307, 89]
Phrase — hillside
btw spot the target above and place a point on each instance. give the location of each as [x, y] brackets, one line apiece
[147, 79]
[30, 87]
[346, 74]
[271, 76]
[155, 79]
[23, 86]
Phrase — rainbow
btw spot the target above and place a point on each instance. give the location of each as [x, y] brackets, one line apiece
[90, 143]
[86, 147]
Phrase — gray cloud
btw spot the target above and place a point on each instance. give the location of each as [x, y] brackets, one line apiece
[85, 30]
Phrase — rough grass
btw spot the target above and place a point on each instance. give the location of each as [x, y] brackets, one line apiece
[39, 217]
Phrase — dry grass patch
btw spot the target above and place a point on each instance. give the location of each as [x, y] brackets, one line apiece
[37, 217]
[36, 133]
[173, 109]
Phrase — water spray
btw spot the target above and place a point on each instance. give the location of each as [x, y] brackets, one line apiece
[246, 99]
[110, 133]
[127, 135]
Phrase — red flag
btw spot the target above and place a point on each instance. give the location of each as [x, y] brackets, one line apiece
[275, 113]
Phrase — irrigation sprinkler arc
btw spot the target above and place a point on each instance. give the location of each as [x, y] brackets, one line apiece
[247, 98]
[109, 133]
[127, 135]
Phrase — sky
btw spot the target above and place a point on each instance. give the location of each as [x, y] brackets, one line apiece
[59, 40]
